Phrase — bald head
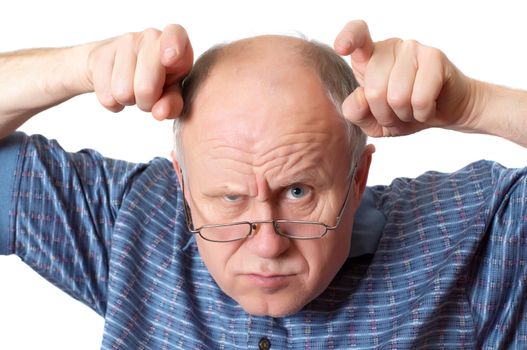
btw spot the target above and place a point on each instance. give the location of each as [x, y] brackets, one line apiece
[265, 45]
[334, 74]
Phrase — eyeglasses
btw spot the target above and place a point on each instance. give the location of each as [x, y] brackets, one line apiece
[294, 229]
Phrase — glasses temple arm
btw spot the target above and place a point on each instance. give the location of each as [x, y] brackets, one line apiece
[341, 211]
[186, 207]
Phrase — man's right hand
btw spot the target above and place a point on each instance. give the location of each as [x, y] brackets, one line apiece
[144, 68]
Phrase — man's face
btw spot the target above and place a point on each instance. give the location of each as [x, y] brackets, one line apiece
[265, 142]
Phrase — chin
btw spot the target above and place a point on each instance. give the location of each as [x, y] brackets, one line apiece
[273, 307]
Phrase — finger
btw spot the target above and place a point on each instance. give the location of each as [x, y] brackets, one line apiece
[102, 76]
[150, 73]
[123, 71]
[355, 40]
[355, 108]
[429, 82]
[169, 105]
[401, 81]
[376, 83]
[176, 50]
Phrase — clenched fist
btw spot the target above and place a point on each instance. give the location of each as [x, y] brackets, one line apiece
[144, 69]
[405, 86]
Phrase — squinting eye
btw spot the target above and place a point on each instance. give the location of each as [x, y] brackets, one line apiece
[296, 192]
[231, 197]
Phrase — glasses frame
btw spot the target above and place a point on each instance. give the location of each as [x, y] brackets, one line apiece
[253, 225]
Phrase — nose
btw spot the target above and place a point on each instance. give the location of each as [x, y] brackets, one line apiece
[265, 242]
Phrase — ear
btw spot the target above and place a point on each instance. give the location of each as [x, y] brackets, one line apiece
[361, 174]
[177, 168]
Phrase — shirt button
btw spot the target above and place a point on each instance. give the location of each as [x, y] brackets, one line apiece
[264, 344]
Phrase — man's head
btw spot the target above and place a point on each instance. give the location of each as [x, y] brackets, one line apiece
[262, 137]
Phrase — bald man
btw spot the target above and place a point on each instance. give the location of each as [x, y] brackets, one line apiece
[261, 232]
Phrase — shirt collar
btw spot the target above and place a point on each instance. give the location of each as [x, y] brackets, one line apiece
[367, 227]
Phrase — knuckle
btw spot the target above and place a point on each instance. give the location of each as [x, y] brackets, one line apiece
[145, 90]
[123, 95]
[105, 99]
[392, 41]
[107, 103]
[420, 103]
[375, 94]
[398, 100]
[150, 33]
[434, 54]
[410, 45]
[128, 38]
[110, 104]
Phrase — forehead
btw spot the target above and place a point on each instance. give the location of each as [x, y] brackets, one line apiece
[262, 98]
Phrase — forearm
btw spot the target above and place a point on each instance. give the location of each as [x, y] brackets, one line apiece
[502, 112]
[34, 80]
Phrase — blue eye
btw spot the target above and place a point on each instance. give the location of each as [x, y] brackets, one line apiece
[296, 192]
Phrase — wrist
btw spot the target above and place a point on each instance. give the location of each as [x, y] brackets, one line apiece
[77, 79]
[500, 111]
[472, 115]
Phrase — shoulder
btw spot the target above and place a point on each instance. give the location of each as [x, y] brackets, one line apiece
[475, 182]
[436, 211]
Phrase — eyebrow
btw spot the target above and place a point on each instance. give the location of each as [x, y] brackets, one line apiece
[225, 188]
[310, 175]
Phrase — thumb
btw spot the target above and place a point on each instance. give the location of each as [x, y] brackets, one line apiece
[176, 50]
[355, 108]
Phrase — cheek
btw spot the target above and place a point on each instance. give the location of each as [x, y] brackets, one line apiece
[216, 257]
[326, 259]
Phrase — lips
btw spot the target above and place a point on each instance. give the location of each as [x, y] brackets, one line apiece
[269, 282]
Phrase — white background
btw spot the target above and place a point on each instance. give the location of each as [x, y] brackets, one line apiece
[486, 40]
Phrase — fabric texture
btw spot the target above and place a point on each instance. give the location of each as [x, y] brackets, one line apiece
[9, 151]
[448, 271]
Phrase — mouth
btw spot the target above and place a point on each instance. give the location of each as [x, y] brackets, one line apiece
[270, 283]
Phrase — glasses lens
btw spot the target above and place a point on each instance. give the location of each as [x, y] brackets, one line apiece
[300, 230]
[225, 233]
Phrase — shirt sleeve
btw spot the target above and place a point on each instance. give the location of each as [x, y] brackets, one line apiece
[497, 274]
[58, 211]
[9, 149]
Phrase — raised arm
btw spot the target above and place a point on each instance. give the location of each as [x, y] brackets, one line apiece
[407, 87]
[142, 68]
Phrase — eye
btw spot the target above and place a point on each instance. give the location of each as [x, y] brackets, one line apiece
[296, 192]
[232, 198]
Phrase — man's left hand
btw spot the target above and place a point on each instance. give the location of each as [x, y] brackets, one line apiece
[404, 86]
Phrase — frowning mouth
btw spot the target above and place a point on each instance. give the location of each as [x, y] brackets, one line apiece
[269, 282]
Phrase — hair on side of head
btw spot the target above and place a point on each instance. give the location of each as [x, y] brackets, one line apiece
[190, 86]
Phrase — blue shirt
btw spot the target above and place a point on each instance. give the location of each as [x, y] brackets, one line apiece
[439, 261]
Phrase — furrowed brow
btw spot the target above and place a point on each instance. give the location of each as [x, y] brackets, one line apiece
[312, 176]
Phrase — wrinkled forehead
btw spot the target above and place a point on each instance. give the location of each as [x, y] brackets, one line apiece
[260, 98]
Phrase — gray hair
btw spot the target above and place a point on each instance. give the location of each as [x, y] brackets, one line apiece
[334, 72]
